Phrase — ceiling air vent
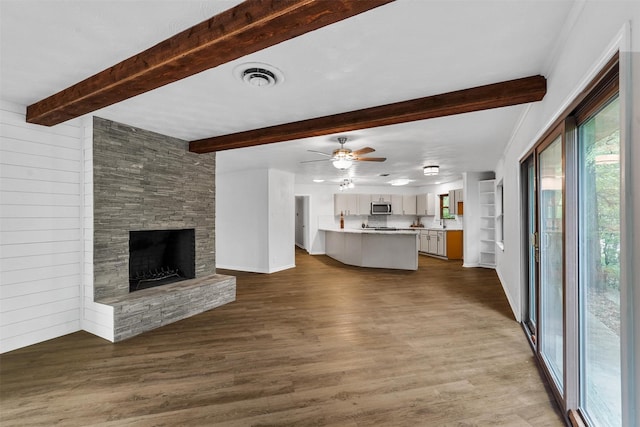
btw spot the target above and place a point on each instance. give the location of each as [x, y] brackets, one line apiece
[259, 75]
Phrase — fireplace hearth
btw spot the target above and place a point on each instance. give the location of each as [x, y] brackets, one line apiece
[160, 257]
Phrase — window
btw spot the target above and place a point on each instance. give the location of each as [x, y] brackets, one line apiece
[599, 261]
[551, 266]
[444, 206]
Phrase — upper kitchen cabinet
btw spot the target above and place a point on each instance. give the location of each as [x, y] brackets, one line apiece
[403, 204]
[346, 204]
[396, 204]
[455, 202]
[364, 204]
[409, 205]
[381, 198]
[426, 204]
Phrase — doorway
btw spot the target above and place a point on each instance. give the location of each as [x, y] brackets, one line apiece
[302, 222]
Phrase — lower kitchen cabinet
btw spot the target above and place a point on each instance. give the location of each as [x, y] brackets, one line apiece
[441, 243]
[454, 244]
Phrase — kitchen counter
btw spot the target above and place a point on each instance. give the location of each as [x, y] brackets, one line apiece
[368, 247]
[373, 230]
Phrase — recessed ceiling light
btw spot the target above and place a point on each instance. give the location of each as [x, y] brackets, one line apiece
[438, 182]
[318, 180]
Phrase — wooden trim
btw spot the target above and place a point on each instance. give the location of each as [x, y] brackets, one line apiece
[251, 26]
[607, 88]
[576, 419]
[503, 94]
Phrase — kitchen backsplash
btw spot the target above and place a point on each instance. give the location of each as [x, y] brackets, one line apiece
[398, 221]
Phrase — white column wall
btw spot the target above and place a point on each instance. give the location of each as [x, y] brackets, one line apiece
[40, 229]
[242, 221]
[96, 318]
[281, 221]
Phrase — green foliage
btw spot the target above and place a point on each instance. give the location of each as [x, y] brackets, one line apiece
[601, 184]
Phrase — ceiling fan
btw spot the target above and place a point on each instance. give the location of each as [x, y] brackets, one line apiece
[342, 158]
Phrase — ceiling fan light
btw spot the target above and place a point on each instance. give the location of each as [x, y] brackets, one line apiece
[342, 164]
[431, 170]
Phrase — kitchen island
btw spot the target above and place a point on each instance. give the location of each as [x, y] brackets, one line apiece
[376, 248]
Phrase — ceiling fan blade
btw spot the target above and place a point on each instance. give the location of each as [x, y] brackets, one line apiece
[320, 152]
[370, 159]
[363, 150]
[311, 161]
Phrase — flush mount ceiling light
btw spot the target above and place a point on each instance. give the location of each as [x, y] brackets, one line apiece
[431, 170]
[400, 181]
[318, 180]
[257, 74]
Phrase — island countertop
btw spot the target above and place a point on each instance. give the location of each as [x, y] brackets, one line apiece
[367, 247]
[372, 230]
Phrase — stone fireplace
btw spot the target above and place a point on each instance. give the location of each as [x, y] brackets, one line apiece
[154, 215]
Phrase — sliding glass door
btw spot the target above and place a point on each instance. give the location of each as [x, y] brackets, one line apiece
[551, 223]
[599, 260]
[571, 193]
[529, 190]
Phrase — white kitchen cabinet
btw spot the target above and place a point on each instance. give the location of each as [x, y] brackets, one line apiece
[441, 243]
[381, 198]
[433, 242]
[409, 206]
[424, 241]
[426, 204]
[364, 204]
[396, 204]
[345, 203]
[455, 196]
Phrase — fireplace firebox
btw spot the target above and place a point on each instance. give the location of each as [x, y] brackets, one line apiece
[160, 257]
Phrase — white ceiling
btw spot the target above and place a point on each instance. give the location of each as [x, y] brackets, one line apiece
[404, 50]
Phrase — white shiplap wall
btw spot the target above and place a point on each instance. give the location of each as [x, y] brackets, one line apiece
[42, 229]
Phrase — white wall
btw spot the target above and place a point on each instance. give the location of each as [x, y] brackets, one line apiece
[255, 223]
[40, 229]
[583, 53]
[242, 221]
[46, 231]
[281, 221]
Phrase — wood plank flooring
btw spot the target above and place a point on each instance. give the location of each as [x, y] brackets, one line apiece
[320, 345]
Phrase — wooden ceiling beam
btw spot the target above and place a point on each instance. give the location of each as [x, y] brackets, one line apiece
[504, 94]
[247, 28]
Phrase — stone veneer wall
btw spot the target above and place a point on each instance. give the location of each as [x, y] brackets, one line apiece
[146, 181]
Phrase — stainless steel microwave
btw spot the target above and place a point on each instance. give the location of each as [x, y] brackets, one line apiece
[380, 208]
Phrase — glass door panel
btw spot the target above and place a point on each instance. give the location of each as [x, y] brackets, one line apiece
[599, 260]
[550, 213]
[529, 178]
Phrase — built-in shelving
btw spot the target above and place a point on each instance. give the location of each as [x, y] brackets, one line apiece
[487, 194]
